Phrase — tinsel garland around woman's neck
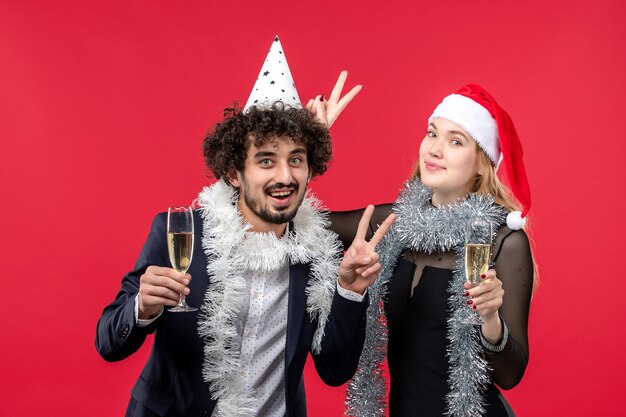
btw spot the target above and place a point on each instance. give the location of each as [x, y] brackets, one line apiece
[423, 227]
[429, 228]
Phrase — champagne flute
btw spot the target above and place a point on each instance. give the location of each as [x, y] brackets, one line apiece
[477, 256]
[180, 246]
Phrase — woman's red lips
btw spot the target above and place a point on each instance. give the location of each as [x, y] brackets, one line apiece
[433, 166]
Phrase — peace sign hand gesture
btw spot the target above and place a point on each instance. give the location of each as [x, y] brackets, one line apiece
[326, 112]
[360, 265]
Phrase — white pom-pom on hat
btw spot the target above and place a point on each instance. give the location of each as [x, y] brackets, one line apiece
[515, 221]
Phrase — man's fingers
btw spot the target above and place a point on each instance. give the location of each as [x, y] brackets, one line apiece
[165, 292]
[150, 280]
[159, 301]
[165, 281]
[177, 276]
[365, 262]
[357, 261]
[372, 270]
[336, 93]
[148, 298]
[160, 271]
[374, 256]
[169, 283]
[383, 229]
[364, 223]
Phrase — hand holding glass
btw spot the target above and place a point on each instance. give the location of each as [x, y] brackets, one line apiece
[180, 246]
[477, 257]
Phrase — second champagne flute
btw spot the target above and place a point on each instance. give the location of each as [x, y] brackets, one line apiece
[477, 257]
[180, 246]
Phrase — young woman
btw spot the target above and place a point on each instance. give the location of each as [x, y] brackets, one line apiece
[437, 364]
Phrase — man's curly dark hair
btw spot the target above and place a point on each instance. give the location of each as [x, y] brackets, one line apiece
[226, 147]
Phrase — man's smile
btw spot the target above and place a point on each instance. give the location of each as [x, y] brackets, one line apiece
[281, 194]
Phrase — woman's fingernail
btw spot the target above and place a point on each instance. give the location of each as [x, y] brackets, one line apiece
[483, 276]
[186, 291]
[469, 301]
[474, 307]
[466, 293]
[322, 98]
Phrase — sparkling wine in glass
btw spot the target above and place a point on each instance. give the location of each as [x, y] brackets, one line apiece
[477, 256]
[180, 246]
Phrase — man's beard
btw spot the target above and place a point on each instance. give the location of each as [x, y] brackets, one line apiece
[282, 215]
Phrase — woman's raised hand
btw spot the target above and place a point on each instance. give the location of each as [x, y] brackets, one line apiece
[327, 111]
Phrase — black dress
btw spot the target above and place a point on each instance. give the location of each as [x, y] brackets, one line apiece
[417, 311]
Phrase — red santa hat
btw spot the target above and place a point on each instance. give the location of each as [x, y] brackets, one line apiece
[478, 113]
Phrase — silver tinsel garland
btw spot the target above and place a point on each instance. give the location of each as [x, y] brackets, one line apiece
[231, 251]
[422, 227]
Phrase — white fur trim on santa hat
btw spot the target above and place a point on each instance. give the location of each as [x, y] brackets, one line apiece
[515, 221]
[474, 119]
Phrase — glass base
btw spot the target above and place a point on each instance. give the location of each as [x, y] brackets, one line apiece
[182, 306]
[182, 309]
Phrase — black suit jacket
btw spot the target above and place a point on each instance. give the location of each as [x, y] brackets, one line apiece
[171, 382]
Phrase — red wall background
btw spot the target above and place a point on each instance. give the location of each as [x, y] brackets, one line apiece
[103, 106]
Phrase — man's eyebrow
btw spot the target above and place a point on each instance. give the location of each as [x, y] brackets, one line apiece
[264, 154]
[298, 150]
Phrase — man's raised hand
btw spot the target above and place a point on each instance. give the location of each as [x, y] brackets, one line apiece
[360, 265]
[158, 287]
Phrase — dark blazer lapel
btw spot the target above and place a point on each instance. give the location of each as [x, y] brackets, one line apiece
[296, 307]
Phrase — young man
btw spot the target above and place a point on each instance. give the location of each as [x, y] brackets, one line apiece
[265, 275]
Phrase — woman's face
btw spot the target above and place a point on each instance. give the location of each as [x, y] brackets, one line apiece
[448, 161]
